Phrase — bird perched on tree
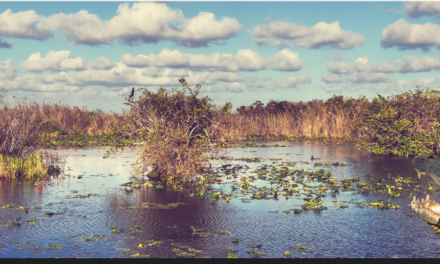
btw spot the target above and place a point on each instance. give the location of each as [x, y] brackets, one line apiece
[131, 94]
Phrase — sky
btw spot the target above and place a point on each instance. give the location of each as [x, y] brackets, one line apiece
[91, 53]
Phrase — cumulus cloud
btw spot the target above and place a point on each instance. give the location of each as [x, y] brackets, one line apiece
[244, 60]
[235, 87]
[54, 61]
[279, 33]
[177, 59]
[360, 65]
[103, 73]
[250, 60]
[333, 78]
[147, 22]
[418, 9]
[286, 60]
[414, 64]
[404, 35]
[361, 71]
[35, 83]
[102, 63]
[21, 25]
[339, 67]
[121, 75]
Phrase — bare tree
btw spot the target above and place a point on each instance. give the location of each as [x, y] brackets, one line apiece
[19, 127]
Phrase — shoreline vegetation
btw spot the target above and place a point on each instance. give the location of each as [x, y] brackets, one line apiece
[175, 130]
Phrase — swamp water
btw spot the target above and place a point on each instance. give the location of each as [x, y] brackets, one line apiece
[168, 223]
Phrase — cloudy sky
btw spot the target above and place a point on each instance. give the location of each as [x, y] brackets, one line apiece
[87, 53]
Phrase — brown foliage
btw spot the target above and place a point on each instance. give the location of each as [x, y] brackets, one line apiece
[176, 131]
[19, 128]
[313, 119]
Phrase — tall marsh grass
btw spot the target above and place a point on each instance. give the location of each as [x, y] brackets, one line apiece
[19, 130]
[314, 119]
[33, 166]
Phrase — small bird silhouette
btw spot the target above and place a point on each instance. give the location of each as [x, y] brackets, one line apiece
[131, 94]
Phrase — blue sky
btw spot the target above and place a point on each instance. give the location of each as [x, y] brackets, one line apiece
[87, 53]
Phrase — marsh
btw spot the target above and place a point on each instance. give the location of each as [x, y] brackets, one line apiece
[179, 220]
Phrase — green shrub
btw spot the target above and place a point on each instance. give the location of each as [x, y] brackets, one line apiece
[403, 125]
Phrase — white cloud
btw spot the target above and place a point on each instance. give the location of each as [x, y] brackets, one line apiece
[36, 83]
[362, 60]
[177, 59]
[7, 70]
[54, 61]
[418, 9]
[413, 64]
[369, 77]
[148, 22]
[400, 86]
[245, 60]
[362, 64]
[125, 76]
[100, 73]
[21, 25]
[235, 87]
[286, 60]
[174, 73]
[339, 67]
[280, 33]
[249, 60]
[333, 78]
[222, 76]
[405, 35]
[102, 63]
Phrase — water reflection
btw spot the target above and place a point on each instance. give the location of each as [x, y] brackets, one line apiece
[356, 231]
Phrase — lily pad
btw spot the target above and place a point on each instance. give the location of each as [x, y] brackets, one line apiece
[55, 246]
[185, 254]
[67, 236]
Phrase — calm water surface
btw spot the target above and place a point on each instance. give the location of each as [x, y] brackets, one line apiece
[354, 232]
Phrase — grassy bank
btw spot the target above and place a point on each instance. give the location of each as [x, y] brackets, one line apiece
[30, 167]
